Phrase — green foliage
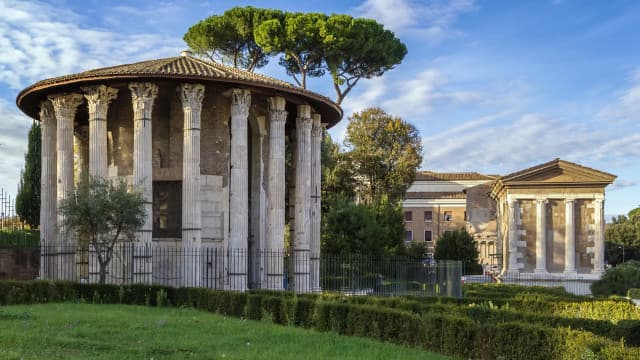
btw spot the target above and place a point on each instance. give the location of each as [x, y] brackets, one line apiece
[618, 280]
[19, 238]
[310, 44]
[229, 38]
[384, 152]
[338, 178]
[99, 212]
[634, 293]
[363, 229]
[623, 232]
[436, 324]
[457, 245]
[28, 198]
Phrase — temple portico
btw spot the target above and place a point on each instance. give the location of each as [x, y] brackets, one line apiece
[206, 146]
[550, 221]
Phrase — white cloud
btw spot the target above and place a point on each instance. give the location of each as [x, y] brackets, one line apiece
[431, 20]
[621, 184]
[38, 40]
[410, 98]
[13, 145]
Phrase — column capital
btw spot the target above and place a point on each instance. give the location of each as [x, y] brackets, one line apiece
[542, 201]
[142, 97]
[191, 96]
[65, 104]
[598, 201]
[98, 99]
[569, 201]
[46, 111]
[277, 113]
[304, 117]
[240, 102]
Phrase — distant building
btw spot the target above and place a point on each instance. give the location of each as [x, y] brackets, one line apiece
[437, 202]
[543, 225]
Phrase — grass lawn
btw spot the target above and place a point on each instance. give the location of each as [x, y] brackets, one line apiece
[83, 331]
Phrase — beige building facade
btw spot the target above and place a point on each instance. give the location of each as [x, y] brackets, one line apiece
[207, 146]
[436, 203]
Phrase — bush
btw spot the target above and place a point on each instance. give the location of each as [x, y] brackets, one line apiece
[618, 280]
[634, 293]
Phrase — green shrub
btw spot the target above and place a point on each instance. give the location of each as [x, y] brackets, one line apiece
[634, 293]
[254, 307]
[275, 306]
[618, 280]
[303, 314]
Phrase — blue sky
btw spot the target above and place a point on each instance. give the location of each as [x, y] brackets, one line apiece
[493, 86]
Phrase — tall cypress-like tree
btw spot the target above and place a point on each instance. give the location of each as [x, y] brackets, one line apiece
[28, 198]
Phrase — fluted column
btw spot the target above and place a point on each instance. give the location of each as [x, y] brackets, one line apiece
[317, 131]
[541, 238]
[65, 107]
[598, 241]
[276, 194]
[98, 99]
[191, 96]
[569, 238]
[142, 98]
[48, 206]
[513, 236]
[301, 247]
[239, 190]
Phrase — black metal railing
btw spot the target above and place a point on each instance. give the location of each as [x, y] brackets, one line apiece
[238, 269]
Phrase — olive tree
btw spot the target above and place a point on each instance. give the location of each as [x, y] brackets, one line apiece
[101, 212]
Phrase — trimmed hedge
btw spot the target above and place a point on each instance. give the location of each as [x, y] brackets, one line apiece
[468, 333]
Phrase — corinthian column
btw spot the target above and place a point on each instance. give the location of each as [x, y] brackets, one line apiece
[276, 194]
[541, 238]
[316, 176]
[598, 241]
[301, 247]
[65, 107]
[191, 95]
[142, 98]
[513, 236]
[569, 238]
[238, 190]
[48, 206]
[98, 99]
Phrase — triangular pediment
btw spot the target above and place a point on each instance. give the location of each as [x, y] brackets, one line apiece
[561, 172]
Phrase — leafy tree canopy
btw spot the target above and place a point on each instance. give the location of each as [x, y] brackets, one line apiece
[625, 230]
[28, 197]
[310, 44]
[457, 245]
[100, 212]
[384, 152]
[228, 38]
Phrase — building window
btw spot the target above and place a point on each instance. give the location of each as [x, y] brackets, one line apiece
[427, 236]
[428, 216]
[448, 216]
[408, 216]
[408, 235]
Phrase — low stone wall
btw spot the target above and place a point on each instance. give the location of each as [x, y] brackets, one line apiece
[19, 263]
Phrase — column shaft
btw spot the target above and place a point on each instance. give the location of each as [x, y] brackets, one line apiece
[239, 190]
[541, 238]
[316, 177]
[301, 249]
[142, 98]
[570, 238]
[98, 99]
[191, 95]
[513, 236]
[598, 241]
[48, 204]
[65, 106]
[274, 251]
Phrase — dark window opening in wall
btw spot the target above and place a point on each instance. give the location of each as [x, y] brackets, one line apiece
[408, 235]
[428, 216]
[408, 216]
[448, 216]
[167, 209]
[427, 236]
[465, 216]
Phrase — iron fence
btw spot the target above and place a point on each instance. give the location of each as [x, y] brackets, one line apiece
[578, 284]
[237, 269]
